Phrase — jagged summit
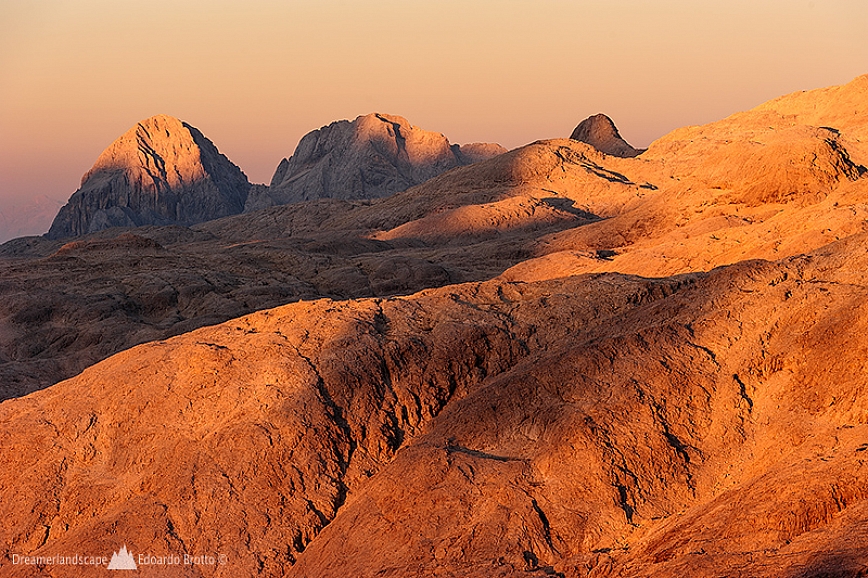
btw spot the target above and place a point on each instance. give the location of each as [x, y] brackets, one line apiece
[372, 156]
[161, 171]
[601, 133]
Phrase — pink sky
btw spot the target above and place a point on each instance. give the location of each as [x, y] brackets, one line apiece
[255, 76]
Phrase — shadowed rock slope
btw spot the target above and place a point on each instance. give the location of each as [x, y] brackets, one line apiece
[160, 172]
[603, 424]
[373, 156]
[706, 433]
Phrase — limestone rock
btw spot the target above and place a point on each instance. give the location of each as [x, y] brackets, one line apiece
[160, 172]
[373, 156]
[600, 132]
[477, 151]
[760, 184]
[248, 438]
[670, 440]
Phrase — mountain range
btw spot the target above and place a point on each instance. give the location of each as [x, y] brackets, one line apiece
[165, 172]
[569, 359]
[27, 218]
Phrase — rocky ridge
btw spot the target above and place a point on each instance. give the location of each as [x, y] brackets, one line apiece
[165, 172]
[699, 198]
[601, 424]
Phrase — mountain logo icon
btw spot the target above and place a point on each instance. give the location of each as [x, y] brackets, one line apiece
[122, 560]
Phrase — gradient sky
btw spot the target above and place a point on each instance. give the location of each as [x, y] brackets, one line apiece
[255, 76]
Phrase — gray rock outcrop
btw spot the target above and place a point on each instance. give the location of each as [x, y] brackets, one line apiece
[160, 172]
[601, 133]
[373, 156]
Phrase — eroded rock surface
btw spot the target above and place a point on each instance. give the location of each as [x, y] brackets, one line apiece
[601, 423]
[247, 438]
[759, 184]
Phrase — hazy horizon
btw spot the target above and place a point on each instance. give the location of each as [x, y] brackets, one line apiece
[256, 77]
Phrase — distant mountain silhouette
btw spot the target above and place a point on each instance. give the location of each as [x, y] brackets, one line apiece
[165, 172]
[30, 217]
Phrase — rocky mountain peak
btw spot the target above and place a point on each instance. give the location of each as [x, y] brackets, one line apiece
[601, 133]
[161, 171]
[373, 156]
[153, 145]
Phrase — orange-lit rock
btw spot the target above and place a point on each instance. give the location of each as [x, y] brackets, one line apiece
[786, 177]
[759, 184]
[160, 172]
[605, 422]
[247, 438]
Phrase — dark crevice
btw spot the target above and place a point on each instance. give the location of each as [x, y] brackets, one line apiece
[547, 529]
[742, 391]
[624, 503]
[337, 415]
[452, 448]
[676, 444]
[710, 353]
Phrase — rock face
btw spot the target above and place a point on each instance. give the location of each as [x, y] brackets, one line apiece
[373, 156]
[600, 132]
[67, 306]
[279, 418]
[160, 172]
[703, 433]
